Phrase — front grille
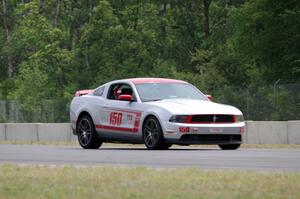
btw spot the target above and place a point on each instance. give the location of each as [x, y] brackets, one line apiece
[212, 119]
[208, 138]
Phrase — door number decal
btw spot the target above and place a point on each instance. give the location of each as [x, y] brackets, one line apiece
[115, 118]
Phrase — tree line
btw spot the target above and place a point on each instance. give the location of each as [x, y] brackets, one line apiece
[233, 49]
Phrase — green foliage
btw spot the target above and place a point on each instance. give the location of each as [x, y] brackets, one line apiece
[267, 33]
[58, 47]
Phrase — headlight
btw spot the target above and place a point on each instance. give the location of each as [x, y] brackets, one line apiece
[238, 118]
[181, 118]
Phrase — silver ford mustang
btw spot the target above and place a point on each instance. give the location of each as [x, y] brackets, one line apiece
[154, 111]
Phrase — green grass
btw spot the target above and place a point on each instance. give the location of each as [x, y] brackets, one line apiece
[106, 182]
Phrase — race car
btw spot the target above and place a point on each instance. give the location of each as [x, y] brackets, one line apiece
[158, 112]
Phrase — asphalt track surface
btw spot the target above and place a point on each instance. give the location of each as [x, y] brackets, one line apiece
[176, 157]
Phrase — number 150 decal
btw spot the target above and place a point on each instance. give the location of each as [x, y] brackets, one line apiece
[115, 119]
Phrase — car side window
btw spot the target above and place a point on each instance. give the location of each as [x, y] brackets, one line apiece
[99, 91]
[119, 89]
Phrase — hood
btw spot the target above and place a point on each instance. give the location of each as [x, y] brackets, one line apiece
[194, 107]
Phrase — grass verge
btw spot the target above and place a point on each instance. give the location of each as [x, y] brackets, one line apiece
[105, 182]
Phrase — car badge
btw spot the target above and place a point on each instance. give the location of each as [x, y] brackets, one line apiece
[215, 118]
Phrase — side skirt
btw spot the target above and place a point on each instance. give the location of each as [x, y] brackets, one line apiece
[119, 138]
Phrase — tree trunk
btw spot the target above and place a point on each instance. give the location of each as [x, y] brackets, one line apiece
[165, 3]
[226, 2]
[86, 59]
[163, 27]
[164, 12]
[206, 4]
[57, 10]
[41, 6]
[7, 32]
[136, 18]
[72, 27]
[86, 55]
[90, 9]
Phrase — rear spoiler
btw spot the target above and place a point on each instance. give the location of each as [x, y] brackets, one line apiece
[83, 92]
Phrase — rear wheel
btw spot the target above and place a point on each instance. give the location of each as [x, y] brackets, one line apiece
[86, 133]
[229, 146]
[152, 134]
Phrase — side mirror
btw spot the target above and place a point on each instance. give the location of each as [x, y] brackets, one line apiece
[209, 97]
[125, 97]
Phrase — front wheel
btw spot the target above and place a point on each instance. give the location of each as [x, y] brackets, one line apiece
[86, 133]
[152, 134]
[229, 146]
[165, 146]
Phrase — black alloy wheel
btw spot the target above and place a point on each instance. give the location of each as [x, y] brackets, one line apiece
[86, 133]
[152, 134]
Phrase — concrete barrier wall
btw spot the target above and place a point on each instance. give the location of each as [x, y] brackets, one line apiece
[22, 132]
[2, 132]
[293, 131]
[36, 132]
[257, 132]
[262, 132]
[54, 132]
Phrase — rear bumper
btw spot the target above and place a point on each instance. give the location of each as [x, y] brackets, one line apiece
[207, 139]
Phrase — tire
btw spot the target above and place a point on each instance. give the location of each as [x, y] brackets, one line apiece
[165, 146]
[229, 146]
[152, 134]
[86, 133]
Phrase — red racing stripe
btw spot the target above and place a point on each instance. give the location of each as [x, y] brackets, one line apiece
[133, 130]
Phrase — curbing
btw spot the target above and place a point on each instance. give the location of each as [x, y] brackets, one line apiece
[257, 132]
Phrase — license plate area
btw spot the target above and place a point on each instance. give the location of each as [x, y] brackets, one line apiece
[216, 130]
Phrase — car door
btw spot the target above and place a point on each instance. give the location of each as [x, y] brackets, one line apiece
[120, 120]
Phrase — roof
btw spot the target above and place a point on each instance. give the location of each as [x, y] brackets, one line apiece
[155, 80]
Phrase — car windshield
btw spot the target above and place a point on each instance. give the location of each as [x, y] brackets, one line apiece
[161, 91]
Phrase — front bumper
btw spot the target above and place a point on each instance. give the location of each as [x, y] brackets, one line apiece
[207, 139]
[178, 133]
